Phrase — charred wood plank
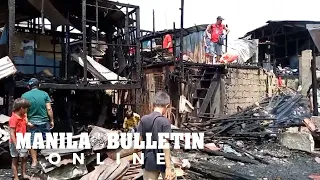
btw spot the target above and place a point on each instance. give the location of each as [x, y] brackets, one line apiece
[246, 152]
[212, 171]
[230, 156]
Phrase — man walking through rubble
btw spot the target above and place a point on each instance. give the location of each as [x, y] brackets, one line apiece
[40, 113]
[215, 32]
[156, 123]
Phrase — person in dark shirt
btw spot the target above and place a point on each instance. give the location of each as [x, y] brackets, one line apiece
[156, 123]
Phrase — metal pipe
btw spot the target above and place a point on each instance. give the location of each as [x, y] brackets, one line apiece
[174, 40]
[12, 19]
[97, 21]
[42, 15]
[138, 47]
[90, 41]
[126, 27]
[227, 40]
[153, 21]
[54, 50]
[314, 84]
[67, 51]
[84, 40]
[181, 30]
[34, 46]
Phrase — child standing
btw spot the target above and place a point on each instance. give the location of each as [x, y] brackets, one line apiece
[18, 124]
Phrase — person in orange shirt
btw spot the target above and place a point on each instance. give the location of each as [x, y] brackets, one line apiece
[167, 43]
[18, 124]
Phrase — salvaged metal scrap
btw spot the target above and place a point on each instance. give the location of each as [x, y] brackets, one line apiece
[98, 137]
[68, 171]
[47, 166]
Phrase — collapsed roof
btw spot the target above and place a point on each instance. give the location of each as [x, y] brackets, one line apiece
[57, 11]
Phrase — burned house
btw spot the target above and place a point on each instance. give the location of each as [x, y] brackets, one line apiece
[199, 90]
[85, 53]
[281, 44]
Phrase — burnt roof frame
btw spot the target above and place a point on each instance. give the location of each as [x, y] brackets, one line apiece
[12, 21]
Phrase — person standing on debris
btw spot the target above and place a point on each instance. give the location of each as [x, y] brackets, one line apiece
[156, 123]
[215, 32]
[40, 113]
[131, 121]
[18, 124]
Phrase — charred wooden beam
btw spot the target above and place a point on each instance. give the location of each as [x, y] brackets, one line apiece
[213, 171]
[12, 20]
[84, 40]
[230, 156]
[246, 152]
[211, 91]
[83, 86]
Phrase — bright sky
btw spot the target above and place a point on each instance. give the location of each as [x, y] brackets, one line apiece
[240, 15]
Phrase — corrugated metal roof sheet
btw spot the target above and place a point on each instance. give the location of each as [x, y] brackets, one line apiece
[7, 68]
[284, 22]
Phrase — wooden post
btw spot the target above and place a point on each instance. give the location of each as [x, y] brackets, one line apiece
[305, 78]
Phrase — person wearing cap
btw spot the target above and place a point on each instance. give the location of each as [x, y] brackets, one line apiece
[40, 113]
[216, 34]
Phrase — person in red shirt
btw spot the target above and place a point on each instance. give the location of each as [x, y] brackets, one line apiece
[167, 43]
[215, 33]
[18, 124]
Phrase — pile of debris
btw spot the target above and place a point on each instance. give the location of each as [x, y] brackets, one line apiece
[278, 119]
[90, 169]
[285, 109]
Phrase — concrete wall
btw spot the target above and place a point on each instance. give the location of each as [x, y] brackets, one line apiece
[244, 87]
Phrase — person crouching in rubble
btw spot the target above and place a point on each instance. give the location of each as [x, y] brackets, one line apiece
[40, 114]
[131, 121]
[156, 123]
[18, 124]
